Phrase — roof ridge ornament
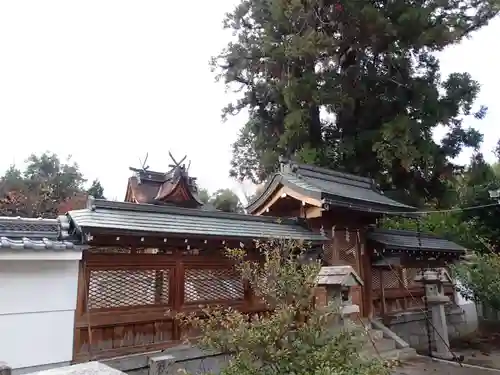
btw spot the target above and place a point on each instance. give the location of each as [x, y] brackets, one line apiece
[144, 167]
[176, 164]
[91, 203]
[284, 163]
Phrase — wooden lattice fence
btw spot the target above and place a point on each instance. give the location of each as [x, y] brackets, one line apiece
[127, 302]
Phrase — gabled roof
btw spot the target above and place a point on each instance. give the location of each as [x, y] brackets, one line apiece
[404, 240]
[174, 187]
[331, 188]
[144, 219]
[339, 275]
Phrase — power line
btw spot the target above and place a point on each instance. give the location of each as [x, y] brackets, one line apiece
[439, 211]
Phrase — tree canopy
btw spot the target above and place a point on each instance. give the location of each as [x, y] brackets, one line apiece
[96, 190]
[473, 220]
[354, 86]
[223, 199]
[46, 187]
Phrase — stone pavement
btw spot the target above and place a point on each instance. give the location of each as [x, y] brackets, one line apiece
[426, 366]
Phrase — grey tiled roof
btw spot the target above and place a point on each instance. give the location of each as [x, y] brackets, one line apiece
[333, 188]
[17, 227]
[169, 220]
[18, 233]
[393, 239]
[31, 244]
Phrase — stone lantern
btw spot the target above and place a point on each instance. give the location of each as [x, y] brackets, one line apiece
[335, 283]
[434, 281]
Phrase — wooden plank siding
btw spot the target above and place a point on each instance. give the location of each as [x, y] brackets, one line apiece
[127, 301]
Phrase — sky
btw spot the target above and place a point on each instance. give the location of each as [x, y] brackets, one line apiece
[108, 81]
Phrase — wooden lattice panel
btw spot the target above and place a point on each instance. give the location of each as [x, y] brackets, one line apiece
[375, 279]
[409, 275]
[348, 256]
[343, 248]
[122, 288]
[203, 285]
[390, 279]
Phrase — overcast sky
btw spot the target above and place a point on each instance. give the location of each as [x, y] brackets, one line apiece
[107, 81]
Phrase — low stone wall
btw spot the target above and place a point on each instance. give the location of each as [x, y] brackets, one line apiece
[189, 359]
[169, 362]
[411, 326]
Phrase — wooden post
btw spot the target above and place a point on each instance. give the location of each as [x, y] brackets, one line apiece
[159, 276]
[178, 297]
[382, 293]
[402, 286]
[366, 275]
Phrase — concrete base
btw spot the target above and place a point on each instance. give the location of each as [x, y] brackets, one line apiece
[411, 326]
[32, 369]
[89, 368]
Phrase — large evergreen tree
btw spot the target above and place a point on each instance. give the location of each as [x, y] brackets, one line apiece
[354, 86]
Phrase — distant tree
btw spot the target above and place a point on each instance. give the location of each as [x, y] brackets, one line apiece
[480, 179]
[474, 224]
[204, 195]
[479, 279]
[63, 179]
[96, 190]
[223, 199]
[41, 188]
[226, 200]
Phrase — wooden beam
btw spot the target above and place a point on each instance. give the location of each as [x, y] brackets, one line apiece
[285, 190]
[277, 195]
[312, 212]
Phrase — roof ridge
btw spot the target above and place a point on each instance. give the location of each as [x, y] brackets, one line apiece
[334, 173]
[339, 180]
[20, 219]
[95, 204]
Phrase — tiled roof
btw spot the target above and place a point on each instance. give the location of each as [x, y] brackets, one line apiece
[338, 275]
[176, 221]
[18, 233]
[17, 227]
[332, 187]
[31, 244]
[393, 239]
[174, 187]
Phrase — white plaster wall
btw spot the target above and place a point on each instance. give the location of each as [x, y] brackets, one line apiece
[37, 306]
[470, 311]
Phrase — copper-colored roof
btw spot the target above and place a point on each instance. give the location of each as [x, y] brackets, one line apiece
[174, 187]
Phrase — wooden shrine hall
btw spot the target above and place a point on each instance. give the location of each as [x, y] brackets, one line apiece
[347, 208]
[161, 250]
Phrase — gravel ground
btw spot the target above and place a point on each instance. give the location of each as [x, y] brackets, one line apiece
[426, 366]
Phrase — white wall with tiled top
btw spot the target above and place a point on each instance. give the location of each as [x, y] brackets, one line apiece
[37, 308]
